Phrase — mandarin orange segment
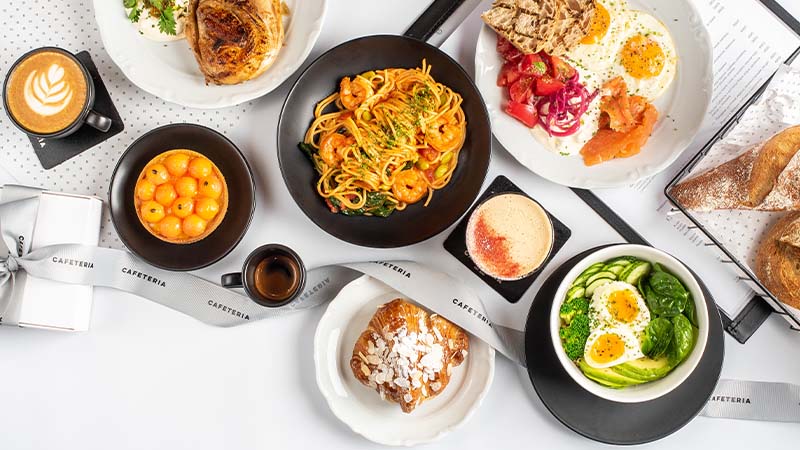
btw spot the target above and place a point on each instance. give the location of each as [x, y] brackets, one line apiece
[194, 225]
[210, 187]
[170, 227]
[186, 186]
[157, 174]
[177, 164]
[152, 211]
[145, 190]
[200, 167]
[165, 194]
[207, 208]
[183, 207]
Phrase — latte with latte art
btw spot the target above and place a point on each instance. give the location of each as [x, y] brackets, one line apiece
[46, 92]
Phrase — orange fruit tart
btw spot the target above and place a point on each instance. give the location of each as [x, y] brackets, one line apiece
[181, 196]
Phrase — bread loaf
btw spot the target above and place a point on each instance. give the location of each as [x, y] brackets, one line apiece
[553, 26]
[765, 177]
[778, 260]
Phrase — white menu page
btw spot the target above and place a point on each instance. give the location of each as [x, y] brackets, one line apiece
[750, 44]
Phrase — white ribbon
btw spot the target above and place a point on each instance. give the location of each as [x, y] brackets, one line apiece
[215, 305]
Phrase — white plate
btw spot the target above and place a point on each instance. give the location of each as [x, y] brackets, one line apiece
[168, 69]
[681, 109]
[360, 407]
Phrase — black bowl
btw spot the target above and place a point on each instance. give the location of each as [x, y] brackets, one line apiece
[417, 222]
[224, 238]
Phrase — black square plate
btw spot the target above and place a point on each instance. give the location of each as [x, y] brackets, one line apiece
[456, 244]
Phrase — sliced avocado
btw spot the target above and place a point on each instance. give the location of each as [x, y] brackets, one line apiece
[596, 284]
[606, 377]
[575, 292]
[644, 369]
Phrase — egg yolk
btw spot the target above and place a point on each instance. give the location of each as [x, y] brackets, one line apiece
[607, 348]
[598, 26]
[622, 306]
[642, 57]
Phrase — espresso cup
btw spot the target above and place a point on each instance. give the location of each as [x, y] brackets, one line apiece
[48, 93]
[272, 275]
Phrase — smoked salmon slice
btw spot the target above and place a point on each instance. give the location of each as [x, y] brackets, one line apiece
[625, 125]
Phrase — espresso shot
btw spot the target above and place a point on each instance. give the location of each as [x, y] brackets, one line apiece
[273, 275]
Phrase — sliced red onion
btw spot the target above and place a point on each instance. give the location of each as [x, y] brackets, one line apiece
[560, 113]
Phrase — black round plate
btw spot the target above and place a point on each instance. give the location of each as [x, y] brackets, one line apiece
[416, 223]
[241, 191]
[603, 420]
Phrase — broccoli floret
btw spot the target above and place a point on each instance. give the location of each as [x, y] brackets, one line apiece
[574, 336]
[571, 308]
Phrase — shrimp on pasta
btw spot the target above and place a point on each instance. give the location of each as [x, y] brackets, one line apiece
[386, 139]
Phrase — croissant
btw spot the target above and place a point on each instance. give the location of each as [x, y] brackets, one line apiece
[234, 40]
[407, 355]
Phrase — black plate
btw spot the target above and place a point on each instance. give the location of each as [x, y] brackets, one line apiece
[603, 420]
[241, 192]
[416, 223]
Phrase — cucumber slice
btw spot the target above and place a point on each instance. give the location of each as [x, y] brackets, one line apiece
[590, 288]
[621, 261]
[575, 292]
[591, 270]
[635, 272]
[615, 269]
[601, 275]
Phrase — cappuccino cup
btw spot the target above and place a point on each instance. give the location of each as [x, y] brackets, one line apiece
[48, 93]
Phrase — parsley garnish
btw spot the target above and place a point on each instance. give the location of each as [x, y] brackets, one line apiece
[163, 9]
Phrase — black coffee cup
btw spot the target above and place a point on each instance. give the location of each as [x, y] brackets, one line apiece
[273, 275]
[88, 116]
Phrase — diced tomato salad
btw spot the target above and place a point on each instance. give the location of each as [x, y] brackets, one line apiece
[529, 77]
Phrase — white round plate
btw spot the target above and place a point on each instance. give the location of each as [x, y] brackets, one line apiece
[359, 406]
[169, 70]
[681, 108]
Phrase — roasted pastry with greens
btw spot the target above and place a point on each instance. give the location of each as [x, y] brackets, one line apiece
[234, 40]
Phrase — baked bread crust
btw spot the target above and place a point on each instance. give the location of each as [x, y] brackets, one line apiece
[778, 260]
[234, 40]
[406, 354]
[553, 26]
[764, 178]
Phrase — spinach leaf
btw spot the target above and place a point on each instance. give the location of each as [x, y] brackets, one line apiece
[682, 340]
[665, 294]
[657, 337]
[310, 151]
[690, 312]
[377, 204]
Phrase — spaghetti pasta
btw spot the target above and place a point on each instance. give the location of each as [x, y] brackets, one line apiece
[386, 139]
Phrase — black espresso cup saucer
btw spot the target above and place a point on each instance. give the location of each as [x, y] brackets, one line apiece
[604, 420]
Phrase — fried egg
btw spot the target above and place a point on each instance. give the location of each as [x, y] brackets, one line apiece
[646, 58]
[590, 122]
[599, 47]
[610, 347]
[619, 305]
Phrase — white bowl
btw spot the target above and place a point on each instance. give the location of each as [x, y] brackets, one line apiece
[654, 389]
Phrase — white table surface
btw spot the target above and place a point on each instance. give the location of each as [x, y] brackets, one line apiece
[147, 377]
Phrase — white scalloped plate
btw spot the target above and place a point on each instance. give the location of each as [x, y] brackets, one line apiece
[681, 109]
[168, 69]
[360, 407]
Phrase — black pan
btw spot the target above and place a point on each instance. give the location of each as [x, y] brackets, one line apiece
[416, 223]
[603, 420]
[241, 192]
